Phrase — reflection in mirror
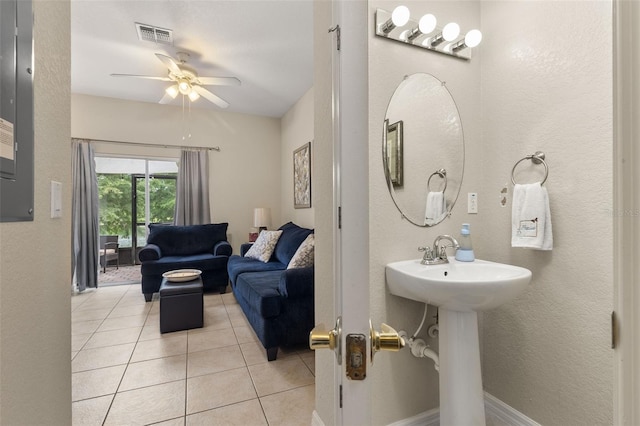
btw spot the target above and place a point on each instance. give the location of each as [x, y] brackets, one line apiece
[393, 152]
[423, 149]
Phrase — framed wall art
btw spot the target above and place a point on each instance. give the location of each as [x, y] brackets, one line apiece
[302, 177]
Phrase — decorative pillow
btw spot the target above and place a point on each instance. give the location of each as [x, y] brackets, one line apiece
[304, 255]
[263, 248]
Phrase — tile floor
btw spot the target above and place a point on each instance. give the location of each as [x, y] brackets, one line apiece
[126, 373]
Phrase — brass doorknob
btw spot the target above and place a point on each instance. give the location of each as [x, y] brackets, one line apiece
[386, 340]
[321, 338]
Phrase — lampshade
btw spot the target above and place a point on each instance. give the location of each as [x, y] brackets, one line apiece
[261, 217]
[193, 96]
[172, 91]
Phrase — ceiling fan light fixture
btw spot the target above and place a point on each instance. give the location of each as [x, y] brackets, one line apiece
[184, 87]
[193, 96]
[172, 91]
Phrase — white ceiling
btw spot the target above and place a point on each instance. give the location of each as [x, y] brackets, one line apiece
[267, 44]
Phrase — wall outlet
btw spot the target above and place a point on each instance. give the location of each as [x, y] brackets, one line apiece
[472, 202]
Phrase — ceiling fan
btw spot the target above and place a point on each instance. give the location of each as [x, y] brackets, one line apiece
[186, 81]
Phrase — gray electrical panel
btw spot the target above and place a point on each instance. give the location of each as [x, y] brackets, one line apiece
[16, 111]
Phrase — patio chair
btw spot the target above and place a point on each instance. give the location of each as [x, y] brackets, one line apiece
[108, 251]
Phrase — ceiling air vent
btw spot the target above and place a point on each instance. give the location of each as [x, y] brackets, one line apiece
[154, 34]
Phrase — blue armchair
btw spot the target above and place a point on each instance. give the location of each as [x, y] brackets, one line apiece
[169, 247]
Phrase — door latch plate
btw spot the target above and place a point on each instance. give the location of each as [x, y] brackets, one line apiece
[356, 356]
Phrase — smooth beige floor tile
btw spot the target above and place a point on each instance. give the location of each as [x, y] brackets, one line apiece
[280, 375]
[89, 314]
[90, 412]
[154, 372]
[84, 327]
[234, 308]
[148, 405]
[122, 322]
[129, 310]
[113, 337]
[78, 340]
[229, 298]
[245, 335]
[210, 340]
[93, 383]
[290, 408]
[212, 300]
[214, 360]
[218, 389]
[240, 414]
[96, 303]
[173, 422]
[238, 319]
[89, 359]
[309, 360]
[160, 348]
[153, 318]
[255, 353]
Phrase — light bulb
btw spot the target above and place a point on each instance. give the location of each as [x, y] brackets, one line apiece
[184, 87]
[193, 96]
[451, 31]
[427, 23]
[172, 91]
[473, 38]
[400, 16]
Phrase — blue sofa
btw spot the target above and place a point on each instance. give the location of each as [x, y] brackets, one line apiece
[169, 247]
[278, 302]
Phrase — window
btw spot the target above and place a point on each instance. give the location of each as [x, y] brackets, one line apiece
[133, 193]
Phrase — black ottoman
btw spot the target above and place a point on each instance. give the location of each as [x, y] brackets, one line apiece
[181, 305]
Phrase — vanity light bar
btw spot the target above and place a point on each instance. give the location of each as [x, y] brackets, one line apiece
[425, 34]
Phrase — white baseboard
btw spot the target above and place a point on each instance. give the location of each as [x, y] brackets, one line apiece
[315, 419]
[497, 413]
[503, 414]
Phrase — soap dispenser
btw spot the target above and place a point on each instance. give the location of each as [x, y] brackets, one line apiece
[465, 252]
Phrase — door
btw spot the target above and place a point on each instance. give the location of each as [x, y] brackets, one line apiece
[342, 221]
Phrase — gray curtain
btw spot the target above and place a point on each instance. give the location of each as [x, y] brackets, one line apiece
[192, 192]
[84, 215]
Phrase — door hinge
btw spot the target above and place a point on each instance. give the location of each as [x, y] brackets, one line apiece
[337, 31]
[614, 330]
[340, 396]
[339, 217]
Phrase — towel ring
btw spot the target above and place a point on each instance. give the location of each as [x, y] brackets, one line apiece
[440, 172]
[537, 158]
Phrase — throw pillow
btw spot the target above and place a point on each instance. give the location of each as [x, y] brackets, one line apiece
[263, 248]
[304, 255]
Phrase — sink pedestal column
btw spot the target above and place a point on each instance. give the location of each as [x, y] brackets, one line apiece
[461, 394]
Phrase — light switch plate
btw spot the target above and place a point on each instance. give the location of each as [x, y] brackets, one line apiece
[56, 199]
[472, 202]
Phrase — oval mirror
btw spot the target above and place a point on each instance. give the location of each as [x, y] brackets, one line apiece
[423, 149]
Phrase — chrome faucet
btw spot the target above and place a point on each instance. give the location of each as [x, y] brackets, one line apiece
[438, 254]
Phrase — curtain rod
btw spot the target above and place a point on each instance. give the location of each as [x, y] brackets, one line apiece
[209, 148]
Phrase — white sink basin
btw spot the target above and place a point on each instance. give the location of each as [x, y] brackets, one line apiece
[459, 286]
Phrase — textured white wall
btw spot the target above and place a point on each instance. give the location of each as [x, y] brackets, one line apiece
[403, 385]
[35, 257]
[245, 174]
[547, 85]
[296, 130]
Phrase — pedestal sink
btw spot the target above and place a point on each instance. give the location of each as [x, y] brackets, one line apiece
[459, 290]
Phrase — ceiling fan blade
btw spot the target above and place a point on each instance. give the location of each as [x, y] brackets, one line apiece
[210, 96]
[170, 63]
[147, 77]
[219, 81]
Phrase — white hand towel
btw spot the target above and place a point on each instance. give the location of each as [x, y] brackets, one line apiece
[531, 217]
[435, 208]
